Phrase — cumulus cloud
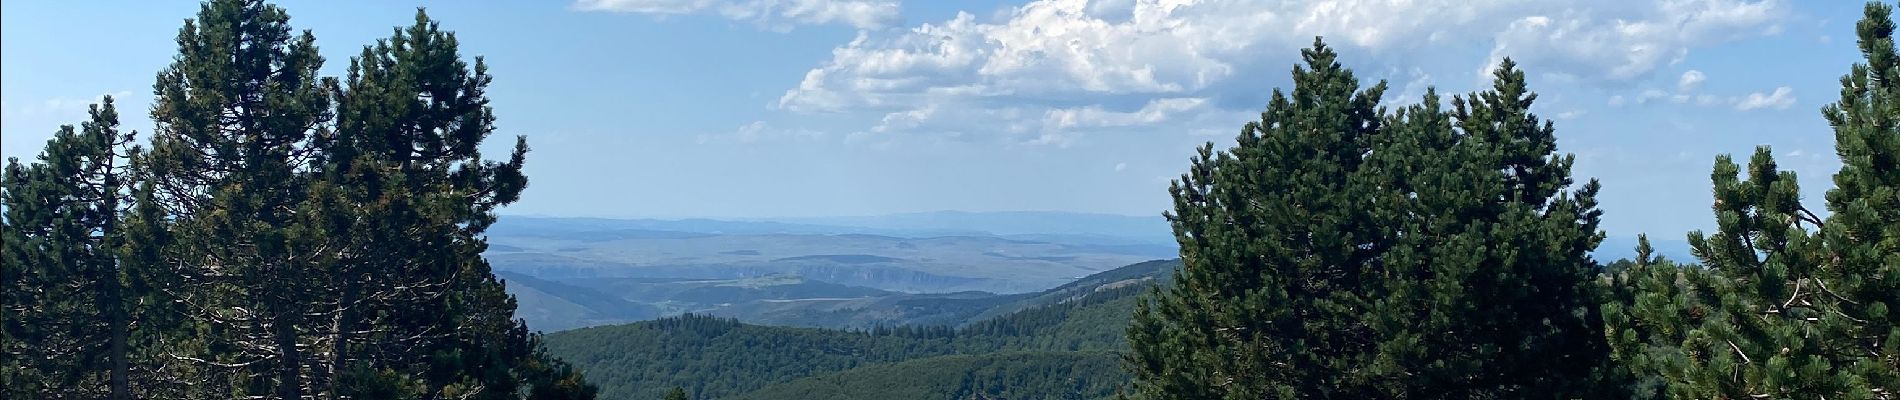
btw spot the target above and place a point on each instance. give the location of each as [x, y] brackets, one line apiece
[776, 14]
[1625, 42]
[1690, 81]
[1780, 99]
[1038, 65]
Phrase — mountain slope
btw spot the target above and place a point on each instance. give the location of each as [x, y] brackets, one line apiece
[1135, 274]
[718, 358]
[1009, 375]
[558, 304]
[714, 357]
[553, 306]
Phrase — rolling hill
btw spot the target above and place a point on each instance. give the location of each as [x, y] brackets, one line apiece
[553, 306]
[716, 357]
[1006, 375]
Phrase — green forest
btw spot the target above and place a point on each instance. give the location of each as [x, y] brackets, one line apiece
[1024, 354]
[283, 234]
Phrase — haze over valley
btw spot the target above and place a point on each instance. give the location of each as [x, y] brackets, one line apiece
[842, 272]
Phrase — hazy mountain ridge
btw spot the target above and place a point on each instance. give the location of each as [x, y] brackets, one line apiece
[907, 260]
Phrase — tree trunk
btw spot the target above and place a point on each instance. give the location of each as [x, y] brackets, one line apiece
[340, 339]
[290, 360]
[121, 327]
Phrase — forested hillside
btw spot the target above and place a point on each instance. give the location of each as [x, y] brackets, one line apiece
[1008, 375]
[717, 358]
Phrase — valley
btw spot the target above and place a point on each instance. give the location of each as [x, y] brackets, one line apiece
[577, 272]
[815, 309]
[1012, 348]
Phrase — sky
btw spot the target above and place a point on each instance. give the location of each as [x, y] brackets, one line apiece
[802, 108]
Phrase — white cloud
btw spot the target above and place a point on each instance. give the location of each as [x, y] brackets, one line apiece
[1155, 111]
[776, 14]
[1650, 94]
[1061, 126]
[1690, 81]
[1121, 166]
[1781, 99]
[1616, 101]
[1622, 42]
[759, 131]
[1064, 60]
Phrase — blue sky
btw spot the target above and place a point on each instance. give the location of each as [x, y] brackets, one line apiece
[790, 108]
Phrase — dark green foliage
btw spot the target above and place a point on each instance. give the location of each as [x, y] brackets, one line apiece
[1862, 270]
[718, 358]
[1338, 251]
[1786, 304]
[289, 236]
[1008, 375]
[1487, 275]
[77, 273]
[678, 393]
[714, 357]
[1653, 307]
[1091, 322]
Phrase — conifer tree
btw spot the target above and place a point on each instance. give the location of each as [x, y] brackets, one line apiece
[73, 296]
[335, 251]
[411, 117]
[1787, 304]
[235, 113]
[1277, 248]
[1860, 275]
[1488, 282]
[1338, 252]
[678, 393]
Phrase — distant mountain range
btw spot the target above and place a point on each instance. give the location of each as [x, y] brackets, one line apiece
[1151, 229]
[900, 255]
[1089, 227]
[839, 272]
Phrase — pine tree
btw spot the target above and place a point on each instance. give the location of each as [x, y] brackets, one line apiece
[267, 247]
[1488, 281]
[1860, 276]
[411, 117]
[678, 393]
[1787, 304]
[73, 295]
[1652, 307]
[1276, 249]
[235, 113]
[1339, 252]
